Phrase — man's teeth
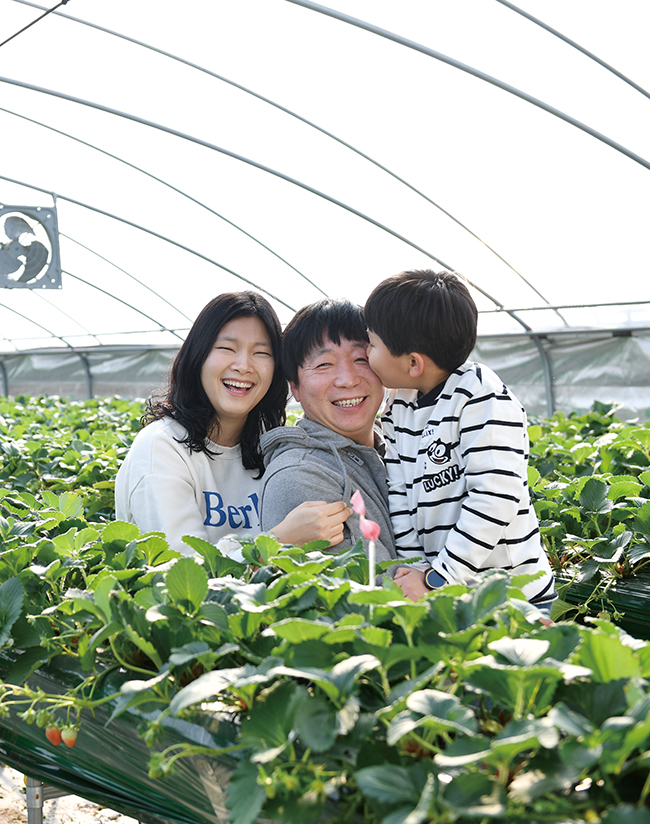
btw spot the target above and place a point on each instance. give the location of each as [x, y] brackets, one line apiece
[349, 402]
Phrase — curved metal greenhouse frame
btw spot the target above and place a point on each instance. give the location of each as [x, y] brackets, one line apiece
[337, 182]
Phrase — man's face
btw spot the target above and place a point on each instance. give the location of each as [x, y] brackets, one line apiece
[338, 389]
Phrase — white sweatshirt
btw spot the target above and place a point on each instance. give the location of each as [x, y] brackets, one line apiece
[162, 486]
[457, 463]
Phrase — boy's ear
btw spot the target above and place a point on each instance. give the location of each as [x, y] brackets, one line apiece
[416, 364]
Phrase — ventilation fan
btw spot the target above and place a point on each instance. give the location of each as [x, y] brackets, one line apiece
[29, 248]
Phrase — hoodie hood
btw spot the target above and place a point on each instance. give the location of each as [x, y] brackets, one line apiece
[306, 436]
[309, 462]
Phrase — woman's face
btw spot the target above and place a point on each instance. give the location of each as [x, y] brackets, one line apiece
[237, 374]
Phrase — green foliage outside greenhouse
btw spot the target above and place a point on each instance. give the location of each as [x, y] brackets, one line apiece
[349, 703]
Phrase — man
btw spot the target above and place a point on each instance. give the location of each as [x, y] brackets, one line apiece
[333, 449]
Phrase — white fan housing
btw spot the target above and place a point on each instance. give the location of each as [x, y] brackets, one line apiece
[29, 248]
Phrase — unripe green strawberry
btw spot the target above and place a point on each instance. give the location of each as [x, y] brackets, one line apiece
[44, 718]
[53, 735]
[69, 736]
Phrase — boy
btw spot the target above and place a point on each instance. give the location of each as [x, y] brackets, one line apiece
[457, 442]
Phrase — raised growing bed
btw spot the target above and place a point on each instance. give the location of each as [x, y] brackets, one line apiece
[419, 710]
[629, 597]
[110, 764]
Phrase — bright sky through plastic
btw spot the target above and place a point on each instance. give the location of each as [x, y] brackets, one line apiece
[567, 212]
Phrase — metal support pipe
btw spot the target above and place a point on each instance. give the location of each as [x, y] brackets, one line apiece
[5, 379]
[37, 792]
[575, 45]
[156, 234]
[286, 111]
[548, 376]
[89, 374]
[172, 188]
[34, 793]
[281, 176]
[450, 61]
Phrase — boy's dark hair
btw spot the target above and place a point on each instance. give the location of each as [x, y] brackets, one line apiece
[327, 318]
[185, 399]
[423, 311]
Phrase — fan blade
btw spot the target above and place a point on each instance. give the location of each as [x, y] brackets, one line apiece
[35, 260]
[9, 257]
[16, 226]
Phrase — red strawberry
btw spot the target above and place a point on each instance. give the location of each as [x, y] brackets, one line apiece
[53, 735]
[69, 736]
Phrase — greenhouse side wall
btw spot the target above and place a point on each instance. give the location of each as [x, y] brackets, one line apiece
[129, 372]
[610, 367]
[585, 367]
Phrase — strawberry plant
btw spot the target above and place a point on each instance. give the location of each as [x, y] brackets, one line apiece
[58, 445]
[344, 701]
[589, 477]
[309, 694]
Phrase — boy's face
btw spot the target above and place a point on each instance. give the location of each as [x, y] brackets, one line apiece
[392, 370]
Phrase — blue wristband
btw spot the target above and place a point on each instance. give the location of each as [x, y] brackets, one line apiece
[433, 579]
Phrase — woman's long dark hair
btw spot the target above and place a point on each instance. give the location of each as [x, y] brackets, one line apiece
[185, 399]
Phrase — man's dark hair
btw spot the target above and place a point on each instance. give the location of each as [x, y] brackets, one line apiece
[185, 399]
[423, 311]
[310, 326]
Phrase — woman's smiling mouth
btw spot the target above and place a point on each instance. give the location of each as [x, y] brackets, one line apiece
[238, 387]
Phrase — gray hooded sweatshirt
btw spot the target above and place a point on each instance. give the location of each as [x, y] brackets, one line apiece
[309, 462]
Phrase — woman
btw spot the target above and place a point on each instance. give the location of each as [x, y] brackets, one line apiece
[195, 468]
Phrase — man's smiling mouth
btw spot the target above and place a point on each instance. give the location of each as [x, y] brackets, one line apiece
[349, 402]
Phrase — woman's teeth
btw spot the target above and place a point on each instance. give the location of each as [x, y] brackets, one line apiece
[238, 385]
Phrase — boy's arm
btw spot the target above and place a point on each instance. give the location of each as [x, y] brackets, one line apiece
[406, 538]
[493, 444]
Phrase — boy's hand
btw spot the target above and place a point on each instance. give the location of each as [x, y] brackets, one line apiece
[411, 582]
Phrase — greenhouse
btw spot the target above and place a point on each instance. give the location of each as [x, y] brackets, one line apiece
[175, 168]
[156, 155]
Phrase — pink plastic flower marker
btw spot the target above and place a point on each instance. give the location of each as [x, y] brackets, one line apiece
[357, 503]
[370, 531]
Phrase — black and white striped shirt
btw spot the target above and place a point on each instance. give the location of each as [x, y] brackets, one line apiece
[457, 461]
